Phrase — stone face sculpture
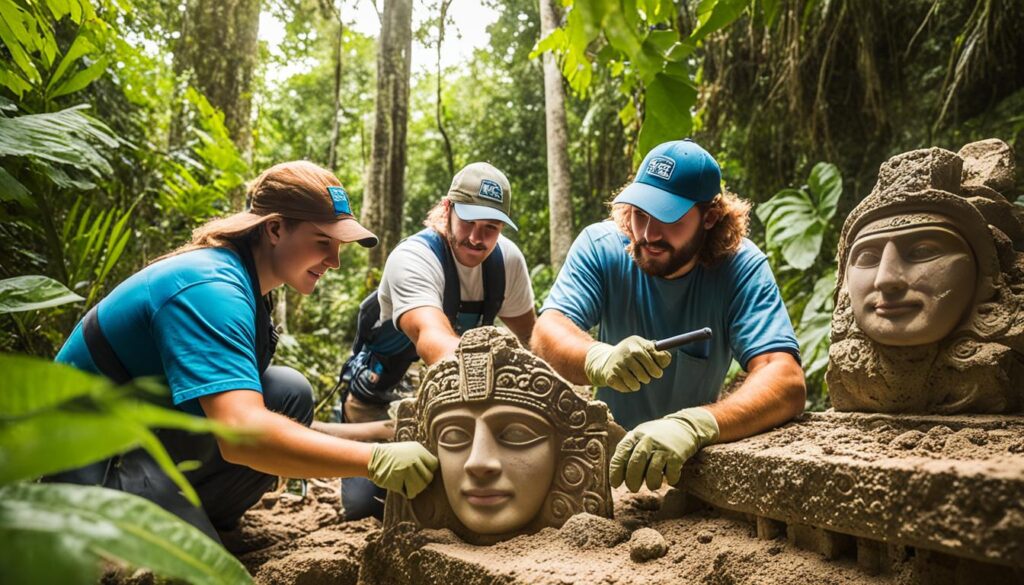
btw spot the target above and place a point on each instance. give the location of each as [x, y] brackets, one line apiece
[930, 288]
[519, 450]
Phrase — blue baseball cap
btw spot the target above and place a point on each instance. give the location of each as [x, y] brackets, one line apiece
[672, 179]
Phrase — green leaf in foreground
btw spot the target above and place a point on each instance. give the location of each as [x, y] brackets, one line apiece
[54, 417]
[93, 523]
[28, 293]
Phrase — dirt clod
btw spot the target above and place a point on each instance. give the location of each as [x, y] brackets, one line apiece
[590, 531]
[647, 544]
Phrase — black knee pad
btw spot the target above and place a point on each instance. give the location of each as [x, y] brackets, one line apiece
[288, 392]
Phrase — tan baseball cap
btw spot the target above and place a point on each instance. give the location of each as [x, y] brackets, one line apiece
[304, 191]
[481, 191]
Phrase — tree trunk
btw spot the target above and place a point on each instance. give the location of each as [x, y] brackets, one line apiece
[385, 178]
[449, 157]
[335, 14]
[559, 180]
[216, 53]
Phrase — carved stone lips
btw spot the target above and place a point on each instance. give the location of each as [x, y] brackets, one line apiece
[486, 497]
[893, 309]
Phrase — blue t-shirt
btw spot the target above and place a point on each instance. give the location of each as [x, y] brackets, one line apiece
[190, 319]
[738, 299]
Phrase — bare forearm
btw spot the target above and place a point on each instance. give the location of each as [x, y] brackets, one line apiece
[562, 344]
[773, 393]
[430, 331]
[522, 326]
[433, 345]
[383, 430]
[285, 447]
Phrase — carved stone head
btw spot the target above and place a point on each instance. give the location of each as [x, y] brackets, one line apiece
[519, 450]
[930, 288]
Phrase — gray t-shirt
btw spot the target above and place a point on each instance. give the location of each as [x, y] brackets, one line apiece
[413, 277]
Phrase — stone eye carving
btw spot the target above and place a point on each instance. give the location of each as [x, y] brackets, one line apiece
[930, 287]
[519, 450]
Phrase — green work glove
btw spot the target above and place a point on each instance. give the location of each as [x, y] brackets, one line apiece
[627, 365]
[406, 467]
[659, 448]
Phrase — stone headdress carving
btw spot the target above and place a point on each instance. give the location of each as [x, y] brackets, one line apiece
[979, 366]
[492, 368]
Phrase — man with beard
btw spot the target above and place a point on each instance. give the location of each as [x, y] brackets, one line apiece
[671, 259]
[423, 312]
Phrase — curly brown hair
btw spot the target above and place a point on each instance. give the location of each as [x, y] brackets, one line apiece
[437, 218]
[721, 241]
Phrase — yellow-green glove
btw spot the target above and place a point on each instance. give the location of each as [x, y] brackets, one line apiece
[406, 467]
[626, 365]
[660, 447]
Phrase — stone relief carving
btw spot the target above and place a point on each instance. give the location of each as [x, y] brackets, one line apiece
[519, 450]
[930, 287]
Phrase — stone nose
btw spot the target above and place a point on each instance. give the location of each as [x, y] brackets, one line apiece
[890, 276]
[483, 461]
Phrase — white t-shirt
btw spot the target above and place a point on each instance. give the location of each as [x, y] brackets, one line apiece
[414, 277]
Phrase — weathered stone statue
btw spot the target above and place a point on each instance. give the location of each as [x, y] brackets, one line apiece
[930, 288]
[519, 450]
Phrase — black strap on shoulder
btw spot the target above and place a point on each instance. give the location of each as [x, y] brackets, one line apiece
[494, 285]
[366, 320]
[102, 353]
[452, 290]
[266, 333]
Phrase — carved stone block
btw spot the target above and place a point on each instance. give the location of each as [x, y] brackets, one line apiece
[519, 449]
[930, 287]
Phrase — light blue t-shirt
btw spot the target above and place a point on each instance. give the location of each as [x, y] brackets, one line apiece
[190, 319]
[738, 299]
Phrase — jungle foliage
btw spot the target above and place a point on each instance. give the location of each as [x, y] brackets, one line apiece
[111, 153]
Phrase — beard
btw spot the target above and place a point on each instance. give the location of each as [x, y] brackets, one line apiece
[464, 244]
[677, 258]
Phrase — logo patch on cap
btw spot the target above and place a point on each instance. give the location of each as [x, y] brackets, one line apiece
[490, 190]
[661, 167]
[340, 199]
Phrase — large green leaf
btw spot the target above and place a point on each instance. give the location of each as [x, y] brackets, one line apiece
[12, 190]
[667, 112]
[826, 186]
[32, 384]
[18, 40]
[714, 15]
[109, 525]
[793, 226]
[43, 429]
[80, 47]
[795, 219]
[57, 441]
[66, 137]
[29, 293]
[813, 337]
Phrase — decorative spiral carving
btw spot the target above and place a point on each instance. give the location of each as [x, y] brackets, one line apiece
[993, 319]
[965, 349]
[595, 450]
[844, 482]
[542, 384]
[593, 504]
[573, 473]
[560, 507]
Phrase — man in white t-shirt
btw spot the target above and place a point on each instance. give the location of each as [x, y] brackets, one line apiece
[423, 314]
[470, 220]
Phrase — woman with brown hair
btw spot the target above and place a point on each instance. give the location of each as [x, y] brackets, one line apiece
[200, 318]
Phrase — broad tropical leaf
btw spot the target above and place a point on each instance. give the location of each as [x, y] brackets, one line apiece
[55, 417]
[67, 137]
[29, 293]
[91, 523]
[12, 190]
[34, 384]
[795, 219]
